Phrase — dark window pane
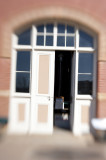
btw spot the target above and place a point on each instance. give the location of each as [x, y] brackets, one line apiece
[40, 28]
[85, 63]
[24, 37]
[85, 39]
[22, 82]
[23, 61]
[70, 41]
[49, 28]
[70, 29]
[49, 40]
[85, 84]
[61, 28]
[60, 41]
[40, 40]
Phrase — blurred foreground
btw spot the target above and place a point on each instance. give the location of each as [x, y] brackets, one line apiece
[62, 145]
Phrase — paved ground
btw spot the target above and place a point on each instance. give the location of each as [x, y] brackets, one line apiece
[62, 145]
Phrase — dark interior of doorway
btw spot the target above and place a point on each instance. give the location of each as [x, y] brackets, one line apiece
[62, 89]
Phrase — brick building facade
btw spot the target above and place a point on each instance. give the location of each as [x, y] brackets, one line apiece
[18, 14]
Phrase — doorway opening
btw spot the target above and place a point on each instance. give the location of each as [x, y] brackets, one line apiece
[63, 89]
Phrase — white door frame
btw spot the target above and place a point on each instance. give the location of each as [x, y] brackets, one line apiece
[72, 109]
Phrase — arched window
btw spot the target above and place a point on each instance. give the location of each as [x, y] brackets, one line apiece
[54, 36]
[57, 35]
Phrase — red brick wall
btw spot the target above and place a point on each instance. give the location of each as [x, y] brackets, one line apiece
[101, 111]
[4, 104]
[4, 86]
[96, 8]
[4, 74]
[102, 77]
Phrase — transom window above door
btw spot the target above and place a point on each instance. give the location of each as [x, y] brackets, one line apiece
[57, 35]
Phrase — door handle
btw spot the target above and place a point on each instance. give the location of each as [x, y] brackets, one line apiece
[49, 98]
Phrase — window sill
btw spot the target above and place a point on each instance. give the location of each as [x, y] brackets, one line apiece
[86, 97]
[21, 95]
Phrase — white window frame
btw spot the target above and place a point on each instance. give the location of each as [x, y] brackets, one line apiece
[33, 47]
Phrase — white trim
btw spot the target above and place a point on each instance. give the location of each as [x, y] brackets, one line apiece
[55, 34]
[44, 36]
[13, 68]
[19, 94]
[80, 49]
[23, 47]
[85, 49]
[22, 71]
[77, 37]
[44, 33]
[53, 48]
[73, 88]
[87, 97]
[33, 36]
[75, 126]
[64, 35]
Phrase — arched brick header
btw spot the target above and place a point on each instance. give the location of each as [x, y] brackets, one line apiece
[52, 13]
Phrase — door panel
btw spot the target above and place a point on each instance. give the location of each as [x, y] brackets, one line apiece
[42, 116]
[43, 75]
[19, 119]
[83, 108]
[42, 92]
